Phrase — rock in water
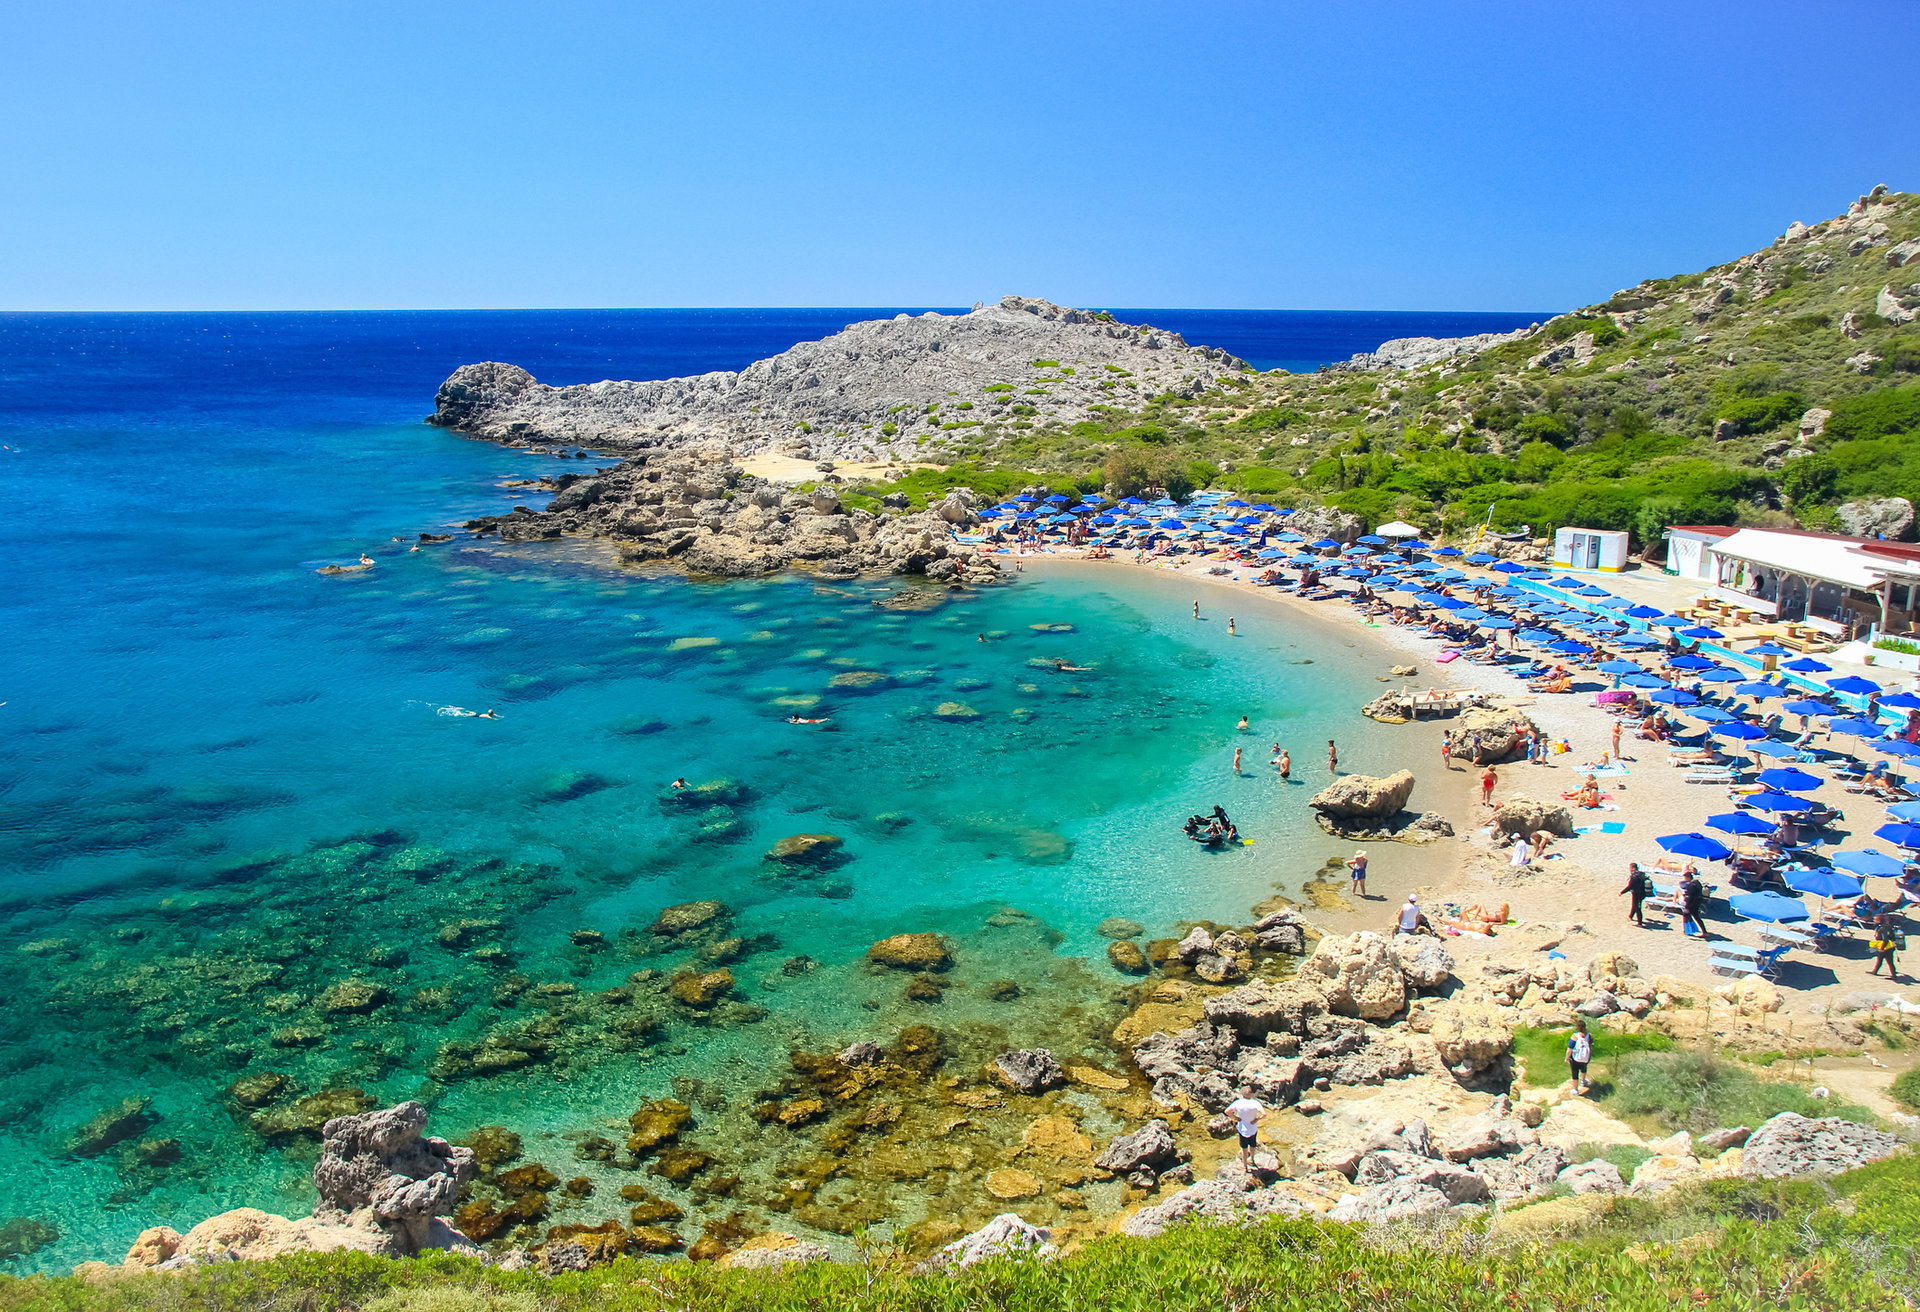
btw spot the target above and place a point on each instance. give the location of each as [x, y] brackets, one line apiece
[1791, 1144]
[1151, 1145]
[686, 917]
[1127, 958]
[1363, 797]
[807, 850]
[915, 952]
[379, 1160]
[1030, 1070]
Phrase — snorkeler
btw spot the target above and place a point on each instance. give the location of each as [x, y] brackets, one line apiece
[679, 783]
[489, 714]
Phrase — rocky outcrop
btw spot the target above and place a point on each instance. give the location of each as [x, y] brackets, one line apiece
[1413, 352]
[877, 387]
[1522, 815]
[377, 1164]
[699, 512]
[1029, 1070]
[1359, 975]
[1424, 961]
[1596, 1176]
[1468, 1037]
[1877, 517]
[1150, 1147]
[773, 1251]
[1791, 1144]
[1228, 1201]
[1362, 797]
[1491, 733]
[1004, 1236]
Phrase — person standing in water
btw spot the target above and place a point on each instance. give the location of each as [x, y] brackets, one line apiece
[1243, 725]
[1196, 610]
[1286, 766]
[1230, 629]
[1236, 760]
[1333, 758]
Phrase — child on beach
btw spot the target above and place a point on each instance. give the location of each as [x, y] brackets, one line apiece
[1446, 750]
[1236, 760]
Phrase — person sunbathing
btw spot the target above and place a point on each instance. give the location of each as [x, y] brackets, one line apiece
[1589, 794]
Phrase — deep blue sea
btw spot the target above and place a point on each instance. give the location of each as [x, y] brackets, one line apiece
[239, 799]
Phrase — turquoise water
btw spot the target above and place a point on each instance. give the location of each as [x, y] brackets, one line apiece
[228, 784]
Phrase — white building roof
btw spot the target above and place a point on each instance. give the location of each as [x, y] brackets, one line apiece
[1831, 559]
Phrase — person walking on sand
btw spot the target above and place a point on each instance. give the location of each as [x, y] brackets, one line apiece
[1487, 781]
[1882, 945]
[1357, 864]
[1639, 888]
[1616, 740]
[1693, 899]
[1446, 750]
[1579, 1053]
[1333, 758]
[1247, 1111]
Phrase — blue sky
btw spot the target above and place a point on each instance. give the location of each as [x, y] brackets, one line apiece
[1463, 156]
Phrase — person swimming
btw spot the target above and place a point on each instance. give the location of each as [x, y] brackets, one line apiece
[679, 784]
[365, 559]
[489, 714]
[801, 719]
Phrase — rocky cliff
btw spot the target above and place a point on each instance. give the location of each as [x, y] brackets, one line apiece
[878, 388]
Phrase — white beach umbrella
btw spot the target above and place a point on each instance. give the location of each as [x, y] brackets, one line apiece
[1397, 529]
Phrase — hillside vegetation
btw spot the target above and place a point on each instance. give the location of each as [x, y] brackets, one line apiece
[1728, 1244]
[1687, 399]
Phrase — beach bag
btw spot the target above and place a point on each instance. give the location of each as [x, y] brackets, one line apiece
[1899, 940]
[1562, 745]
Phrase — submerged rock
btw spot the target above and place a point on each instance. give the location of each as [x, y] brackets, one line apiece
[1030, 1070]
[112, 1125]
[807, 850]
[916, 952]
[1127, 958]
[687, 917]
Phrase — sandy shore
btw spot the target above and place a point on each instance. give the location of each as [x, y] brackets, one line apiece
[1580, 882]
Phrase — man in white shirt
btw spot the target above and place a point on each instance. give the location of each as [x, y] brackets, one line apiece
[1247, 1112]
[1410, 915]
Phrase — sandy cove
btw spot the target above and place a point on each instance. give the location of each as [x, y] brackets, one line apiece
[1580, 882]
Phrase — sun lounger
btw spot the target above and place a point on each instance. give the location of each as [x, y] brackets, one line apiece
[1710, 776]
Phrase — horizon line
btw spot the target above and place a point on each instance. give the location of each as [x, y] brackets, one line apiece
[1543, 315]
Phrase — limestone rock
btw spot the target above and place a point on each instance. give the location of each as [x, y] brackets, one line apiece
[1364, 797]
[1596, 1176]
[1119, 927]
[112, 1125]
[773, 1251]
[1470, 1037]
[247, 1234]
[1520, 814]
[1263, 1007]
[915, 952]
[1004, 1236]
[1484, 1135]
[701, 989]
[1127, 958]
[378, 1160]
[1502, 733]
[806, 849]
[1424, 960]
[1660, 1173]
[154, 1246]
[1721, 1140]
[686, 917]
[1531, 1170]
[1359, 974]
[1217, 1201]
[1394, 1200]
[1791, 1144]
[1877, 517]
[1030, 1070]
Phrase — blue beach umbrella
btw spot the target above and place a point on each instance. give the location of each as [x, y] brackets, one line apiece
[1413, 544]
[1853, 683]
[1901, 701]
[1264, 508]
[1710, 849]
[1644, 612]
[1904, 811]
[1701, 631]
[1899, 747]
[1588, 590]
[1288, 537]
[1739, 822]
[1902, 834]
[1236, 504]
[1789, 780]
[1855, 725]
[1271, 553]
[1433, 598]
[1449, 576]
[1777, 802]
[1761, 690]
[1470, 614]
[1059, 499]
[1644, 681]
[1481, 558]
[1539, 635]
[1164, 501]
[1446, 551]
[1711, 715]
[1718, 674]
[1770, 907]
[1822, 882]
[1673, 697]
[1170, 523]
[1864, 861]
[1772, 750]
[1669, 622]
[1324, 544]
[1511, 567]
[1634, 642]
[1568, 647]
[1807, 707]
[1740, 730]
[1371, 539]
[1496, 622]
[1691, 663]
[1302, 558]
[1565, 581]
[1621, 667]
[1767, 649]
[1807, 665]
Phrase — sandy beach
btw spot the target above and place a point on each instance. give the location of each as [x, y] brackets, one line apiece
[1580, 880]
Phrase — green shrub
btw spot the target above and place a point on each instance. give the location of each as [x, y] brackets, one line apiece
[1700, 1091]
[1760, 413]
[1548, 428]
[1877, 414]
[1906, 1088]
[998, 387]
[1905, 648]
[1046, 364]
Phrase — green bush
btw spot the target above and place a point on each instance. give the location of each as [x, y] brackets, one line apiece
[1699, 1091]
[1760, 413]
[1549, 428]
[1906, 1088]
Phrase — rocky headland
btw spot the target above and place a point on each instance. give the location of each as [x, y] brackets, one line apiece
[879, 388]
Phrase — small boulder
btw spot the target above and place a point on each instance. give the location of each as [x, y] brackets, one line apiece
[1126, 958]
[807, 850]
[1004, 1236]
[915, 952]
[1721, 1140]
[699, 989]
[1522, 815]
[1151, 1146]
[1029, 1070]
[1791, 1144]
[1597, 1176]
[686, 917]
[1364, 797]
[1119, 927]
[1359, 974]
[1424, 960]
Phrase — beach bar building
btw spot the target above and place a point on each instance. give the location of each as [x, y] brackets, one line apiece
[1690, 550]
[1841, 587]
[1590, 548]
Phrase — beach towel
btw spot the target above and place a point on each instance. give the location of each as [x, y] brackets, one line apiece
[1604, 827]
[1446, 656]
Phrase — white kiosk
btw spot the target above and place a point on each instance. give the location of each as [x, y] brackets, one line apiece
[1590, 548]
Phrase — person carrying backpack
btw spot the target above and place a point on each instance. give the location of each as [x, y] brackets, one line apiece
[1640, 888]
[1579, 1053]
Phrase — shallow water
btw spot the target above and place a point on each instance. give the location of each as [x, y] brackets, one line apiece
[229, 784]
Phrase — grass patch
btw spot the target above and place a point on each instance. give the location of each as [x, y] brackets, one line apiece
[1906, 1089]
[1701, 1091]
[1624, 1156]
[1545, 1050]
